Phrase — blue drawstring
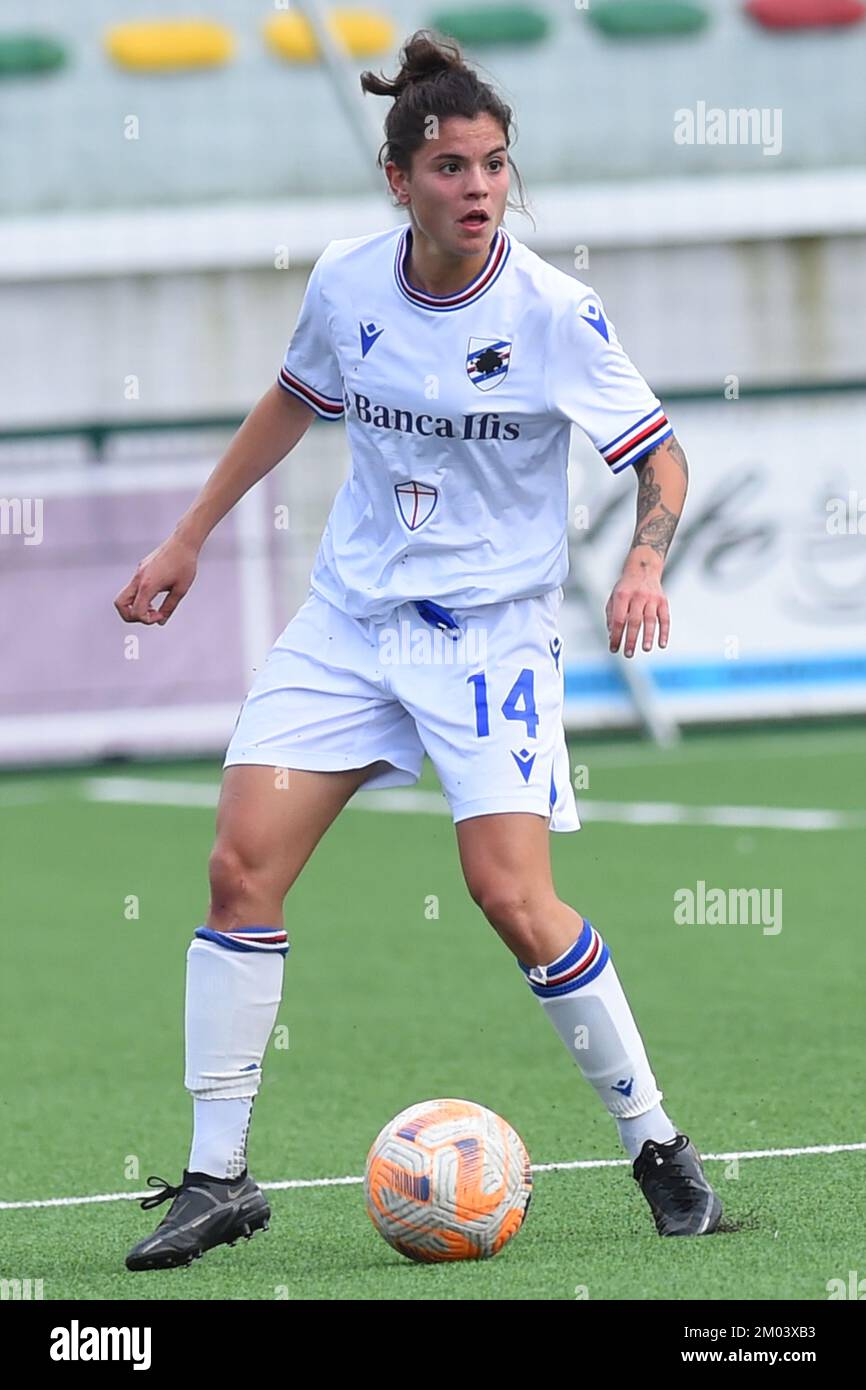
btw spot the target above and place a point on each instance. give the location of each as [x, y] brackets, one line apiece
[439, 617]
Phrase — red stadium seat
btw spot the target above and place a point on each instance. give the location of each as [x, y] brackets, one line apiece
[805, 14]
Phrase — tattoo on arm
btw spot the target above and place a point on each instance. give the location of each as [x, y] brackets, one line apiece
[648, 491]
[656, 523]
[677, 453]
[657, 533]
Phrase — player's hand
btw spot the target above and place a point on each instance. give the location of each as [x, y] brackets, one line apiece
[169, 570]
[637, 601]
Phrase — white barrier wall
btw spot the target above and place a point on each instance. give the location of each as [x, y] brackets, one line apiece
[187, 312]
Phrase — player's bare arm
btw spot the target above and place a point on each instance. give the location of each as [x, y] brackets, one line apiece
[270, 431]
[638, 599]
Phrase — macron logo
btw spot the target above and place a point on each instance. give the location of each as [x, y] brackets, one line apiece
[369, 334]
[524, 761]
[595, 318]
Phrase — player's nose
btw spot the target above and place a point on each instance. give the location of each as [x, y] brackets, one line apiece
[476, 182]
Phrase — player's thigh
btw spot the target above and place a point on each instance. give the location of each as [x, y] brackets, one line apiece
[270, 819]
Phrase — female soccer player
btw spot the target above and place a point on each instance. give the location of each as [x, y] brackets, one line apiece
[459, 360]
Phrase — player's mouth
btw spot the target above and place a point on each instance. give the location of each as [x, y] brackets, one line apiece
[475, 221]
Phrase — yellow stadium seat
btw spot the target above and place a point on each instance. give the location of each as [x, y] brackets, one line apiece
[169, 45]
[363, 33]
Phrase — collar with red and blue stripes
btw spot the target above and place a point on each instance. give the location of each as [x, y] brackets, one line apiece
[500, 248]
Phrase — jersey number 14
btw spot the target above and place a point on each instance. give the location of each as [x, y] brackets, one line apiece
[523, 690]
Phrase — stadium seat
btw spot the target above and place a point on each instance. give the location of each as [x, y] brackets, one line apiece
[169, 45]
[492, 24]
[24, 54]
[804, 14]
[629, 19]
[363, 33]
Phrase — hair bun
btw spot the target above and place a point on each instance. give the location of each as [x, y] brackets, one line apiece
[423, 72]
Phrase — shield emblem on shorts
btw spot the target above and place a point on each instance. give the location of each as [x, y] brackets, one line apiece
[487, 361]
[416, 502]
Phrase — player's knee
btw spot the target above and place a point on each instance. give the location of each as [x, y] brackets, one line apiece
[232, 878]
[506, 907]
[521, 916]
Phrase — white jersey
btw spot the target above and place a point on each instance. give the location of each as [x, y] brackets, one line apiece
[458, 411]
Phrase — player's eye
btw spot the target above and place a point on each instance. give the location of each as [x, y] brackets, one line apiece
[452, 165]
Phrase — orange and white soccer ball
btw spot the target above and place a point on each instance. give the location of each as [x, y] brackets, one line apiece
[448, 1180]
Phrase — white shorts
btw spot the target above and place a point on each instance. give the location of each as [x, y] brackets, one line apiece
[337, 692]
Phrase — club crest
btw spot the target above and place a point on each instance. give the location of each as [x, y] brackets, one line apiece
[487, 361]
[416, 502]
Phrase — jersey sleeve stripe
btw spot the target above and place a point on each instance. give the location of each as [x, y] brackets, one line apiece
[664, 431]
[328, 407]
[644, 419]
[618, 449]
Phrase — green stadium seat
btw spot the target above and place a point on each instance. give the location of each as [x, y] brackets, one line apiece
[631, 19]
[23, 55]
[492, 24]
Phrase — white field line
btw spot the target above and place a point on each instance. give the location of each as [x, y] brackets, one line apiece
[22, 790]
[141, 790]
[149, 791]
[582, 1163]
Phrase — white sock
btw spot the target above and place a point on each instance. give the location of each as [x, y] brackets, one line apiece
[654, 1124]
[219, 1144]
[234, 984]
[581, 994]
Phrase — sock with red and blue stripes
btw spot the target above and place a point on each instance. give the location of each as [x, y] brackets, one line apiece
[582, 996]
